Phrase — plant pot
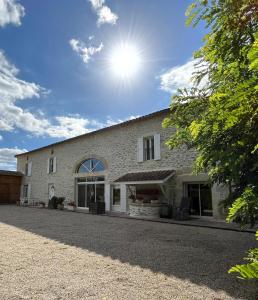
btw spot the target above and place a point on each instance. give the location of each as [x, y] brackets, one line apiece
[71, 207]
[60, 206]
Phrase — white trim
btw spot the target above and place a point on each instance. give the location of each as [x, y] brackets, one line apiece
[107, 197]
[123, 198]
[48, 165]
[29, 168]
[29, 191]
[54, 164]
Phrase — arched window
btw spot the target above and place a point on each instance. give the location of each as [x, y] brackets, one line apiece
[91, 165]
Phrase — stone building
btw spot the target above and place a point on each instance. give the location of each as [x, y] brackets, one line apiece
[124, 163]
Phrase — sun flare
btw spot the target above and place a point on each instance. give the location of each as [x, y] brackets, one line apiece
[125, 60]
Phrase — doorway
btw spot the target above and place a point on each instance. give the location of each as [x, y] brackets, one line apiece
[200, 199]
[90, 190]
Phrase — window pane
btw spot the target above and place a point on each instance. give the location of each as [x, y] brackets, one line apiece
[193, 193]
[90, 193]
[25, 191]
[91, 165]
[116, 196]
[81, 179]
[100, 193]
[81, 196]
[152, 147]
[206, 201]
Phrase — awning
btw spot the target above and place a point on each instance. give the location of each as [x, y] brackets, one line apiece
[146, 177]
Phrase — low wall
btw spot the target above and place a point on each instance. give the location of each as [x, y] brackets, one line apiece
[150, 210]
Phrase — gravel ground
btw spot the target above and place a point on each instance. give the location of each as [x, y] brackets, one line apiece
[47, 254]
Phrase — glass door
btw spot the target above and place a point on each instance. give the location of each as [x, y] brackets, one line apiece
[200, 199]
[90, 190]
[91, 193]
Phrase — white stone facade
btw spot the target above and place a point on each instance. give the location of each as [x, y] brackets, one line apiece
[117, 148]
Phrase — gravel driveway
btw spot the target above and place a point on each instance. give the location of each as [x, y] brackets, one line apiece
[47, 254]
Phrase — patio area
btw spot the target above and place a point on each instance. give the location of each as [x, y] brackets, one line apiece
[52, 254]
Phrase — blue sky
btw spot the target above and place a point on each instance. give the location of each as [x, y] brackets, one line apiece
[52, 88]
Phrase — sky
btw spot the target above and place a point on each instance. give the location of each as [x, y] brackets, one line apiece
[72, 66]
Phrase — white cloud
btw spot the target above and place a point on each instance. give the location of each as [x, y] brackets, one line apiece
[105, 15]
[96, 4]
[86, 53]
[11, 12]
[179, 77]
[12, 117]
[7, 157]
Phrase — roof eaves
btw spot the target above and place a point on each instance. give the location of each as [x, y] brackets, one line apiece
[163, 111]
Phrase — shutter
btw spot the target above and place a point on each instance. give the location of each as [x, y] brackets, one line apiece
[48, 165]
[54, 165]
[140, 150]
[157, 146]
[29, 191]
[107, 196]
[29, 168]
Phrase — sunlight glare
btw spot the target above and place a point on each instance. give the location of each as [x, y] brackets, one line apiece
[125, 60]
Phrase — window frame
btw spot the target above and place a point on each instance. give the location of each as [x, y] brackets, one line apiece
[148, 148]
[118, 188]
[92, 167]
[51, 165]
[25, 188]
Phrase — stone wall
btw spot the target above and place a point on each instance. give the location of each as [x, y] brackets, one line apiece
[117, 147]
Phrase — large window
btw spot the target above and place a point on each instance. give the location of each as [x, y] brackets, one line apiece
[148, 148]
[91, 165]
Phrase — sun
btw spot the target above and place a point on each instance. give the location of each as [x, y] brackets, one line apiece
[125, 61]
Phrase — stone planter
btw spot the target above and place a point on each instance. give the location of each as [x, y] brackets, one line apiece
[147, 210]
[71, 207]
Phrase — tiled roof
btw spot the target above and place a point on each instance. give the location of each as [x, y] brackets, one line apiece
[146, 176]
[10, 173]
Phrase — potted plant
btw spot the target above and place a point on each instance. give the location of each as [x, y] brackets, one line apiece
[60, 203]
[71, 205]
[41, 204]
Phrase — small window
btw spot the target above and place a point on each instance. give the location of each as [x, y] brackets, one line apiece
[148, 148]
[51, 165]
[116, 195]
[25, 191]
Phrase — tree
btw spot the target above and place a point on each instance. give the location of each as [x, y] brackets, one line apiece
[219, 115]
